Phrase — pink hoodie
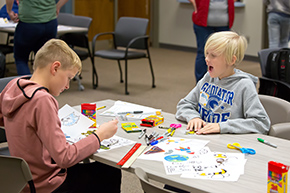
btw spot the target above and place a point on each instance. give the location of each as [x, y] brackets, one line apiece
[34, 133]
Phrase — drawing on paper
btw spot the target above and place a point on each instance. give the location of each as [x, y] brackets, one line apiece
[70, 119]
[176, 158]
[185, 149]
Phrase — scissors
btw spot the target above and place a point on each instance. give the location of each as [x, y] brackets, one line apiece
[242, 149]
[174, 125]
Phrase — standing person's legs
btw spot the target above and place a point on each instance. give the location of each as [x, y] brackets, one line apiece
[22, 47]
[273, 30]
[91, 178]
[30, 37]
[48, 31]
[284, 31]
[201, 34]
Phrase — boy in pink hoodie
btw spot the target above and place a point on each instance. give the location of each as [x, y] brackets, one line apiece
[29, 113]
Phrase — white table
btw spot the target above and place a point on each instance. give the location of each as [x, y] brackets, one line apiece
[61, 29]
[256, 168]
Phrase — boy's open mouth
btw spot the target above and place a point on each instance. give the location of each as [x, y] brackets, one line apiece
[210, 68]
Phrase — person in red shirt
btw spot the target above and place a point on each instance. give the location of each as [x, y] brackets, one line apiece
[209, 16]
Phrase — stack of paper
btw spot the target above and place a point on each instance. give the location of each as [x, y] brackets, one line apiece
[120, 108]
[190, 158]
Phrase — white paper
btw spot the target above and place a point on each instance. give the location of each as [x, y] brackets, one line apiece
[5, 23]
[116, 143]
[74, 124]
[174, 145]
[121, 106]
[216, 166]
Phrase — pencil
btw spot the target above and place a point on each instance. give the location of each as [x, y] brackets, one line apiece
[101, 107]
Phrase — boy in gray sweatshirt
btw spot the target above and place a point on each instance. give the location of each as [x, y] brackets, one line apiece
[225, 100]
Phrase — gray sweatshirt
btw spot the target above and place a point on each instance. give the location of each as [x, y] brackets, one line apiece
[232, 102]
[278, 6]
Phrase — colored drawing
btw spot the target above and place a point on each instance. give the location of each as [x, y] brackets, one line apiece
[185, 149]
[176, 158]
[154, 149]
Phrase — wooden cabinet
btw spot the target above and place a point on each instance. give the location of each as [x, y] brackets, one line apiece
[102, 12]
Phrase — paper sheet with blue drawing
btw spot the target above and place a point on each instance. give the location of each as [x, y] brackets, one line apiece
[190, 158]
[76, 127]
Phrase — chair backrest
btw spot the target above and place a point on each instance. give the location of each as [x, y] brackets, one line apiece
[81, 21]
[15, 174]
[128, 28]
[65, 18]
[263, 55]
[148, 186]
[78, 39]
[5, 81]
[277, 109]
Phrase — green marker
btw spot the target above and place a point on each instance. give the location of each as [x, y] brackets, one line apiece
[267, 142]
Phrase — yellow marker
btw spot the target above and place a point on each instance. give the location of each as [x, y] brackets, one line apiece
[101, 107]
[172, 132]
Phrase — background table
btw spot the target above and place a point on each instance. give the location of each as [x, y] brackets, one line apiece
[61, 29]
[256, 168]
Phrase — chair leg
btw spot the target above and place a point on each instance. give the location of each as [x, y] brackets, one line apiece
[81, 87]
[126, 78]
[152, 73]
[121, 73]
[95, 74]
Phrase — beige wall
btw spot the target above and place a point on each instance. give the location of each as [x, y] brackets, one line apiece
[176, 28]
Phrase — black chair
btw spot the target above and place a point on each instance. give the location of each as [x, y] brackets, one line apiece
[268, 85]
[5, 49]
[79, 42]
[15, 174]
[129, 34]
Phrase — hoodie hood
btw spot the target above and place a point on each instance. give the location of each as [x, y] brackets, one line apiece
[17, 92]
[233, 79]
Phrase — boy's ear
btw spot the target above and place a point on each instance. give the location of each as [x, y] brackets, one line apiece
[234, 59]
[55, 66]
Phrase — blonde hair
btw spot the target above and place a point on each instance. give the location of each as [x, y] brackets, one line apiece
[57, 50]
[229, 44]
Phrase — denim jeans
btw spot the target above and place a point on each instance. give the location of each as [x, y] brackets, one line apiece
[30, 37]
[278, 29]
[202, 33]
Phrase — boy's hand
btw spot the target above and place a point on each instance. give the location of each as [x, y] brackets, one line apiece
[107, 130]
[196, 124]
[209, 128]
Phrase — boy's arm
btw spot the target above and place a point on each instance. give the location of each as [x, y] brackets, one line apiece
[187, 108]
[50, 133]
[255, 119]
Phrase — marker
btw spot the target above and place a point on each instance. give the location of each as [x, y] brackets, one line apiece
[162, 127]
[146, 140]
[101, 107]
[142, 133]
[131, 112]
[267, 142]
